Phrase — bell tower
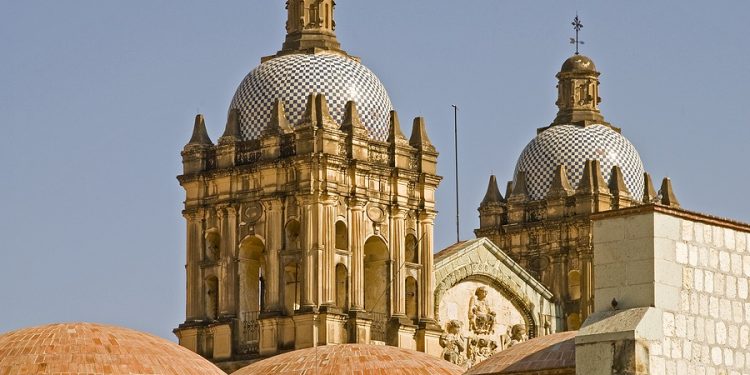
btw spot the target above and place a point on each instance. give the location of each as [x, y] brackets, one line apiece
[313, 224]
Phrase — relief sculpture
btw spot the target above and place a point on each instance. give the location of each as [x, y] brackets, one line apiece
[482, 343]
[453, 343]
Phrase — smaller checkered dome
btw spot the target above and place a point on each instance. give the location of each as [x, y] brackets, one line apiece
[572, 146]
[292, 78]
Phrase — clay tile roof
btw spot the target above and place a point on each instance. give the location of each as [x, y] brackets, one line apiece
[358, 359]
[84, 348]
[556, 351]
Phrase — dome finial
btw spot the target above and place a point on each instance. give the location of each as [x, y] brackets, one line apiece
[310, 27]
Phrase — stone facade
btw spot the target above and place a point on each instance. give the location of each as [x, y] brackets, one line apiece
[672, 294]
[578, 166]
[310, 233]
[486, 302]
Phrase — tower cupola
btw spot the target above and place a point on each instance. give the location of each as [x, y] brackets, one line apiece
[310, 27]
[578, 93]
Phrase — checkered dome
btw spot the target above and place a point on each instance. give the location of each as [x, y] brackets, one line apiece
[572, 146]
[292, 78]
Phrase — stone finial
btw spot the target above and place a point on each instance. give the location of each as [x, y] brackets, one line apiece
[352, 123]
[617, 185]
[578, 93]
[520, 191]
[324, 118]
[560, 187]
[200, 135]
[279, 124]
[311, 112]
[592, 181]
[493, 195]
[419, 138]
[232, 130]
[508, 189]
[395, 135]
[668, 197]
[310, 27]
[649, 193]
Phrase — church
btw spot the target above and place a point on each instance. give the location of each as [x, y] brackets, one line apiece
[310, 225]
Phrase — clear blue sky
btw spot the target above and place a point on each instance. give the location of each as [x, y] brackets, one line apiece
[97, 99]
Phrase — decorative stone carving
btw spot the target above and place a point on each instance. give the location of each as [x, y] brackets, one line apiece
[481, 348]
[253, 212]
[481, 317]
[212, 250]
[375, 214]
[517, 334]
[453, 343]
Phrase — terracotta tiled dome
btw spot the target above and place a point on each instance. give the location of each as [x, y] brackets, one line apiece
[78, 348]
[352, 359]
[554, 353]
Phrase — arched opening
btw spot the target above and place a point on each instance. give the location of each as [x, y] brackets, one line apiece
[213, 240]
[342, 236]
[251, 273]
[412, 299]
[211, 297]
[292, 235]
[574, 285]
[342, 287]
[291, 288]
[411, 251]
[377, 296]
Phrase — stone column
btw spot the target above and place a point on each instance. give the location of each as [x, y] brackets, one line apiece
[587, 283]
[427, 286]
[318, 250]
[328, 229]
[357, 237]
[397, 247]
[274, 233]
[228, 293]
[308, 257]
[195, 244]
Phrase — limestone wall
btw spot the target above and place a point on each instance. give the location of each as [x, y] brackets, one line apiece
[710, 329]
[693, 271]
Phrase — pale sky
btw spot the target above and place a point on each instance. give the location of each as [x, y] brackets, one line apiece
[97, 99]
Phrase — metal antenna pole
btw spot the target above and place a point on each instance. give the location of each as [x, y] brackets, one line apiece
[455, 144]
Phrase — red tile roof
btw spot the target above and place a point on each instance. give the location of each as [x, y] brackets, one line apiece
[556, 351]
[84, 348]
[348, 359]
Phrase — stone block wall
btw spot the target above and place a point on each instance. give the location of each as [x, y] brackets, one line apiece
[693, 270]
[709, 332]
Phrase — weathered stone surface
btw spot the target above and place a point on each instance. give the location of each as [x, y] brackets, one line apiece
[706, 330]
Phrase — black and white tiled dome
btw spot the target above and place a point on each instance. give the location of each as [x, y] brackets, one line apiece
[292, 78]
[572, 145]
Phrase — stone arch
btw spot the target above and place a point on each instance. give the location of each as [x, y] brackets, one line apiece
[211, 297]
[213, 245]
[411, 289]
[292, 234]
[292, 287]
[252, 271]
[342, 236]
[411, 249]
[342, 287]
[484, 273]
[377, 293]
